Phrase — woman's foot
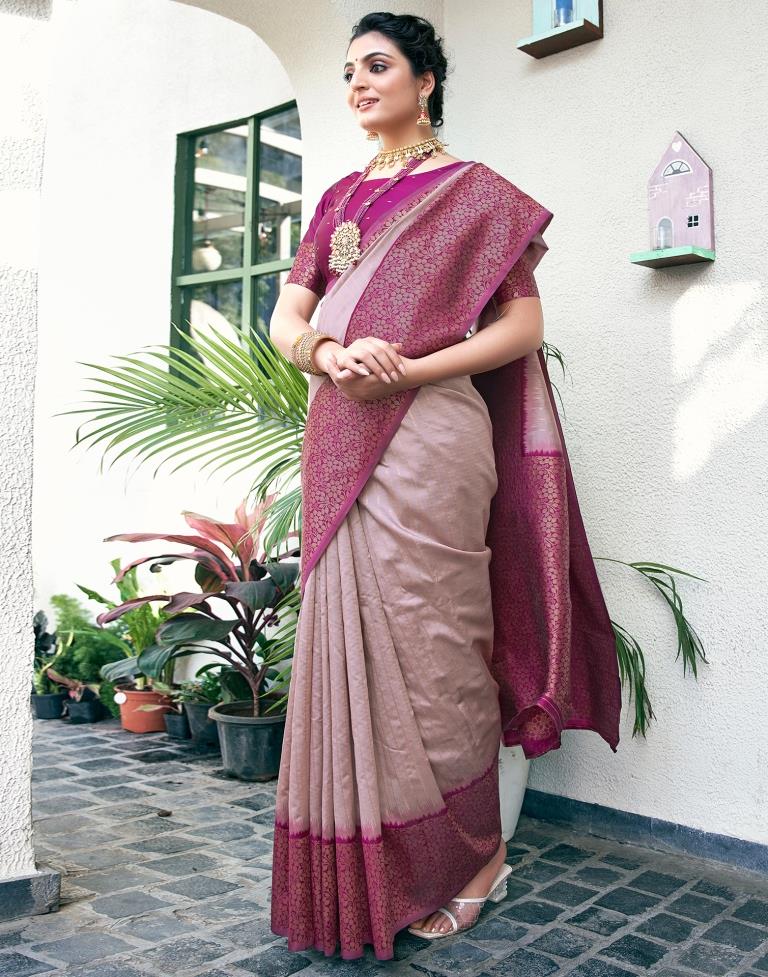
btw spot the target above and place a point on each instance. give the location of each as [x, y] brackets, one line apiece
[479, 886]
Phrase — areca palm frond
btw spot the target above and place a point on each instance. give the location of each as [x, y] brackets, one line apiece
[630, 654]
[231, 404]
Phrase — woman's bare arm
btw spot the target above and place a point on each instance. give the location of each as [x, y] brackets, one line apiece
[517, 331]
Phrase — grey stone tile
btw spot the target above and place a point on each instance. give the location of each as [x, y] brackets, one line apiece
[599, 968]
[20, 965]
[64, 823]
[102, 858]
[656, 882]
[532, 911]
[562, 942]
[275, 962]
[597, 920]
[154, 927]
[663, 926]
[596, 875]
[523, 963]
[166, 844]
[255, 933]
[735, 934]
[628, 901]
[567, 854]
[115, 881]
[635, 950]
[129, 903]
[708, 958]
[567, 894]
[182, 954]
[753, 911]
[82, 948]
[696, 907]
[198, 887]
[538, 871]
[184, 864]
[227, 831]
[106, 969]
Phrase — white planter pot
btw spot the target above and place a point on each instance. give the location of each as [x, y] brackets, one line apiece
[513, 777]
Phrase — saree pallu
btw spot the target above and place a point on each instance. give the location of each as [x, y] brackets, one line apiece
[449, 602]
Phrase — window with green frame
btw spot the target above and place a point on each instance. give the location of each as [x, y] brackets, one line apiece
[237, 221]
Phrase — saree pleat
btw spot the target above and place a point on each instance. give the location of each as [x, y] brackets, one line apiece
[387, 798]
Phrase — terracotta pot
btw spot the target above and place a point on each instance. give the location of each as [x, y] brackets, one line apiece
[135, 720]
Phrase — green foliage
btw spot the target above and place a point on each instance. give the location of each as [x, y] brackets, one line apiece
[629, 651]
[91, 648]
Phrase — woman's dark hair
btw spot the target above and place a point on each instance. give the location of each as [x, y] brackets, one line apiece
[415, 37]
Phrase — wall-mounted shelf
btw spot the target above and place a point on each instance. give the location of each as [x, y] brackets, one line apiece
[663, 257]
[551, 35]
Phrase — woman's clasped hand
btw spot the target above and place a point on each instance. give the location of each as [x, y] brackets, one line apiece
[367, 369]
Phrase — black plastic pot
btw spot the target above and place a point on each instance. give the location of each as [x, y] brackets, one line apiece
[250, 745]
[48, 706]
[90, 711]
[203, 729]
[177, 725]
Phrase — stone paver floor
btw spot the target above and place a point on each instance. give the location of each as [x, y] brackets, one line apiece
[166, 866]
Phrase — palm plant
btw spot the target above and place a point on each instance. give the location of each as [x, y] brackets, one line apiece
[224, 403]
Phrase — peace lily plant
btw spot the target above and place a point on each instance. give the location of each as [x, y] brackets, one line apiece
[233, 403]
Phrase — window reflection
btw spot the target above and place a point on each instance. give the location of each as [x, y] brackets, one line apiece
[218, 207]
[280, 162]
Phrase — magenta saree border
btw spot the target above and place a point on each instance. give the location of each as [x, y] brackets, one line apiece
[368, 900]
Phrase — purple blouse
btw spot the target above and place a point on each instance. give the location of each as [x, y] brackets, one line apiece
[310, 266]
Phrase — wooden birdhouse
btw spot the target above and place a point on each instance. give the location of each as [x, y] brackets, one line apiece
[561, 24]
[680, 211]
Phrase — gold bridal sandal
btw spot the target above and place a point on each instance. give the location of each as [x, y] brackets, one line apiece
[496, 893]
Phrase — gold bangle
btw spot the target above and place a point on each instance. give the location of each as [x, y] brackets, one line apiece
[301, 350]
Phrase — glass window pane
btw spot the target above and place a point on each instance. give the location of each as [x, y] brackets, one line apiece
[280, 158]
[216, 305]
[218, 205]
[265, 291]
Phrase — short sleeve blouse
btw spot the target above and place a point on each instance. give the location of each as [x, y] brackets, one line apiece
[310, 270]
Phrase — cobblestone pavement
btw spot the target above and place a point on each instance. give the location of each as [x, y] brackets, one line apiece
[186, 891]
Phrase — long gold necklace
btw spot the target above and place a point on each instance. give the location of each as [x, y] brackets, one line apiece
[345, 239]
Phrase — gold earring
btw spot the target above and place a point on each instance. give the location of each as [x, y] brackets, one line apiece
[372, 134]
[423, 119]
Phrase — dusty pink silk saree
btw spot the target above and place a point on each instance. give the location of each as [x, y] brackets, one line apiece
[449, 596]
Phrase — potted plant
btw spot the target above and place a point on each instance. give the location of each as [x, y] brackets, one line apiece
[197, 697]
[171, 707]
[134, 688]
[47, 697]
[82, 701]
[241, 597]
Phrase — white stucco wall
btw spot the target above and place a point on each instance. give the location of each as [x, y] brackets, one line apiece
[24, 39]
[663, 416]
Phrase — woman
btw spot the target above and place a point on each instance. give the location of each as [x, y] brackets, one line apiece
[449, 598]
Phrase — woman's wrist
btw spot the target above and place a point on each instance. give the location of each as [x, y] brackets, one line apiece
[321, 350]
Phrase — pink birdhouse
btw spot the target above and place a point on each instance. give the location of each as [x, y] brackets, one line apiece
[680, 209]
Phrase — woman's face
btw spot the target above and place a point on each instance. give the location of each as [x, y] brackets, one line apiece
[376, 69]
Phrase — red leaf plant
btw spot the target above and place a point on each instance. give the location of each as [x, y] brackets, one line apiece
[252, 591]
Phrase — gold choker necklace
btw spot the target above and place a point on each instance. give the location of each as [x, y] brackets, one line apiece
[388, 157]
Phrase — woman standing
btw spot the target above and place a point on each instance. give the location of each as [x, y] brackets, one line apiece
[449, 597]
